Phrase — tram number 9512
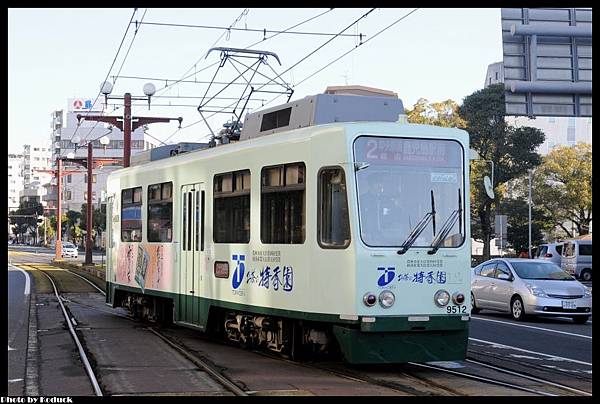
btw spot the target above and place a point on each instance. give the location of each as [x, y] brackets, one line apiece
[456, 309]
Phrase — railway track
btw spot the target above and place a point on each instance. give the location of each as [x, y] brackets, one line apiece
[413, 379]
[197, 361]
[71, 323]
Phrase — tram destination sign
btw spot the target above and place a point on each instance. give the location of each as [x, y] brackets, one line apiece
[547, 61]
[407, 152]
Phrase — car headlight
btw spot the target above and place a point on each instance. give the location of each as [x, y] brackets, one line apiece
[441, 298]
[536, 291]
[587, 293]
[386, 299]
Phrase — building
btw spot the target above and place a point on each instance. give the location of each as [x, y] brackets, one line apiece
[565, 131]
[558, 131]
[15, 180]
[64, 127]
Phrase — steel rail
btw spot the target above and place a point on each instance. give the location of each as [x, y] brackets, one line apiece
[484, 379]
[83, 356]
[511, 372]
[228, 384]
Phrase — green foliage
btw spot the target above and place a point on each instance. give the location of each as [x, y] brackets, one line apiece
[73, 218]
[517, 211]
[98, 220]
[445, 113]
[24, 224]
[511, 149]
[563, 187]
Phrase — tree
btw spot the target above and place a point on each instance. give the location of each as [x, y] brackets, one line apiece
[23, 225]
[517, 211]
[562, 187]
[445, 113]
[73, 222]
[98, 221]
[511, 149]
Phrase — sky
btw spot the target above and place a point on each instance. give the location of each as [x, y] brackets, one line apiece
[57, 54]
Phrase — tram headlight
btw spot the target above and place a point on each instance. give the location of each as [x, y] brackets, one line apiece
[458, 298]
[386, 299]
[369, 299]
[441, 298]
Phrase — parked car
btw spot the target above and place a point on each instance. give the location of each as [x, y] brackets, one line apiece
[577, 259]
[551, 252]
[523, 287]
[69, 250]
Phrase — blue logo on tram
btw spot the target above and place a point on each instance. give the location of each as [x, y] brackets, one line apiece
[238, 273]
[387, 276]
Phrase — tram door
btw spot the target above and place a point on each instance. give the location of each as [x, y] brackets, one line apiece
[191, 251]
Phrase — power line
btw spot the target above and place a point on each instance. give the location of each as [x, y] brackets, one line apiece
[122, 63]
[128, 49]
[264, 30]
[250, 46]
[349, 51]
[247, 47]
[186, 81]
[111, 66]
[335, 60]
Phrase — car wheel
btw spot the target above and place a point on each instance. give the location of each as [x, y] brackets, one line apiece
[580, 319]
[586, 275]
[474, 308]
[516, 308]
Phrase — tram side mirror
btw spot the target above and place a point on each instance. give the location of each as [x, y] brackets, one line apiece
[360, 165]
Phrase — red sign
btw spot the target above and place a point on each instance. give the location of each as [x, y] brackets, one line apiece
[77, 104]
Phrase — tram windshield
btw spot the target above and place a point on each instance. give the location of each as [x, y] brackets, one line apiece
[400, 182]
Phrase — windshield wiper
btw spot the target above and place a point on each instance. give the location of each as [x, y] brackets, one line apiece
[412, 237]
[455, 216]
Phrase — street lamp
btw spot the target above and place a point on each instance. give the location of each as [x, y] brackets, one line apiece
[530, 202]
[127, 123]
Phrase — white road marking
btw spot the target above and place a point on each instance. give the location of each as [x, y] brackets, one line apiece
[14, 380]
[531, 326]
[11, 349]
[551, 357]
[27, 280]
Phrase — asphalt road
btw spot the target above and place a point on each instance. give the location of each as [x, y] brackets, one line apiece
[48, 254]
[555, 344]
[18, 324]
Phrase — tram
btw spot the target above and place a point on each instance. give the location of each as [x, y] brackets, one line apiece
[329, 224]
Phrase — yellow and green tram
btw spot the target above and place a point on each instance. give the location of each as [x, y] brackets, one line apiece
[330, 225]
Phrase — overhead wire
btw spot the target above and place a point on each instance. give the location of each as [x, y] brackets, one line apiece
[288, 69]
[247, 47]
[264, 31]
[122, 64]
[349, 51]
[184, 77]
[109, 70]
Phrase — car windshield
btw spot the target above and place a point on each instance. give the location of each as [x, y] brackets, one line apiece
[540, 270]
[409, 189]
[67, 245]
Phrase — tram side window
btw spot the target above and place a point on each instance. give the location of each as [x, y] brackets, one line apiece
[131, 214]
[160, 212]
[334, 224]
[231, 205]
[282, 219]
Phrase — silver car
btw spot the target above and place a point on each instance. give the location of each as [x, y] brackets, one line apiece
[524, 286]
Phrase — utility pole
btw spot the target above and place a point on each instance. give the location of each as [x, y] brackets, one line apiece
[88, 233]
[58, 244]
[530, 202]
[127, 124]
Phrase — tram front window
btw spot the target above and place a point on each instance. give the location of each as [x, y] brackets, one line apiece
[396, 178]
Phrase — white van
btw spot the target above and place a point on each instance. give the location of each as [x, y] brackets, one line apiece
[577, 258]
